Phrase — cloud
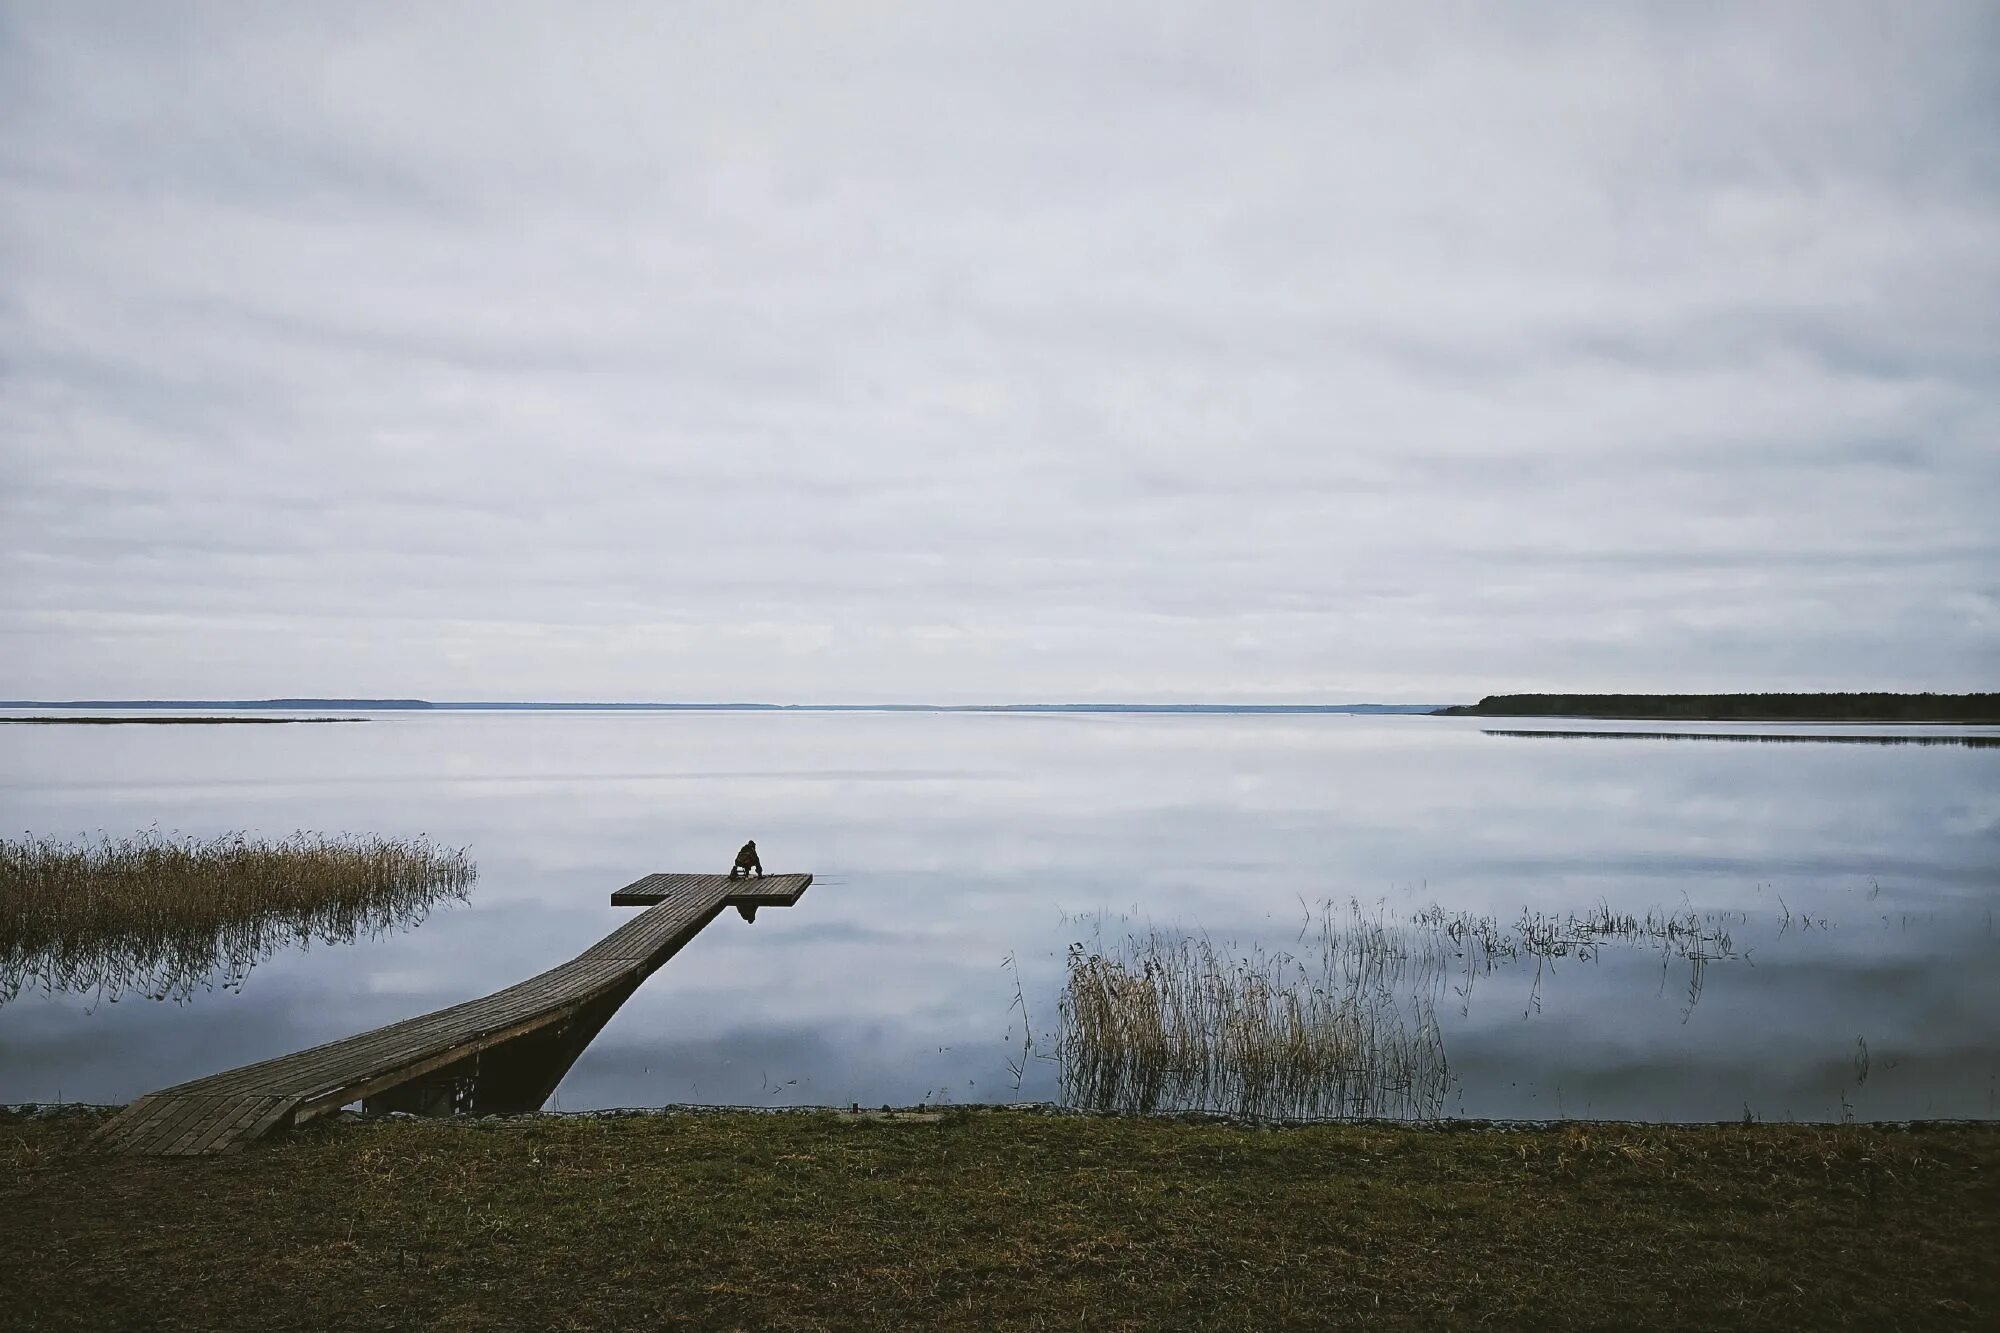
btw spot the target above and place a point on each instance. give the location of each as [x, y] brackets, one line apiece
[479, 351]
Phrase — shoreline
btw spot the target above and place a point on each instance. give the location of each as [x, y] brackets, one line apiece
[1794, 720]
[1819, 707]
[167, 721]
[1053, 1110]
[1003, 1219]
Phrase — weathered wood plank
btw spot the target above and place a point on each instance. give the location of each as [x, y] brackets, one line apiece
[655, 888]
[241, 1114]
[121, 1125]
[170, 1121]
[214, 1110]
[163, 1131]
[222, 1112]
[396, 1076]
[468, 1020]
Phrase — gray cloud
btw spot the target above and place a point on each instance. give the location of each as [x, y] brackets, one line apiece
[617, 351]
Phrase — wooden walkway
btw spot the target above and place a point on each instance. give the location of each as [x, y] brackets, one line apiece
[503, 1053]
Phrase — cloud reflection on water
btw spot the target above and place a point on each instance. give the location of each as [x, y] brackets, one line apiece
[981, 837]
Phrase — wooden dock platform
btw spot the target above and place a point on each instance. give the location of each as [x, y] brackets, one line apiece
[500, 1054]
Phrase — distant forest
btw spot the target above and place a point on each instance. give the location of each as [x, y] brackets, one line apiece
[1743, 707]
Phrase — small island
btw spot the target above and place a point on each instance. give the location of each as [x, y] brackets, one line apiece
[1862, 707]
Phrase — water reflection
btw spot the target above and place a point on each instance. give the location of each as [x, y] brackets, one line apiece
[1344, 1027]
[1754, 737]
[944, 844]
[1479, 943]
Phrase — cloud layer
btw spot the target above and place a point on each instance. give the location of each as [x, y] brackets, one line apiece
[852, 353]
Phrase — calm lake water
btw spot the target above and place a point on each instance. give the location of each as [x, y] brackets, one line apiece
[1856, 883]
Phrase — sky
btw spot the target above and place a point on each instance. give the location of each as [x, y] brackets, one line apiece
[838, 353]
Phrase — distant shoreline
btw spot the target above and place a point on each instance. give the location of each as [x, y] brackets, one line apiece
[1827, 708]
[1962, 709]
[532, 706]
[347, 705]
[165, 721]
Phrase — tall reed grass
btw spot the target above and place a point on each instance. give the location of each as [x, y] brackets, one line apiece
[163, 915]
[1344, 1025]
[1167, 1022]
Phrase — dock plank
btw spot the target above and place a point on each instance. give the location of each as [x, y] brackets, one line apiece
[241, 1113]
[224, 1111]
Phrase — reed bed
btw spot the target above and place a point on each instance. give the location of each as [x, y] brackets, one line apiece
[1342, 1026]
[163, 915]
[1166, 1022]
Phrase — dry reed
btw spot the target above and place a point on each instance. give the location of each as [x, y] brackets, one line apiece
[1344, 1027]
[1165, 1022]
[162, 915]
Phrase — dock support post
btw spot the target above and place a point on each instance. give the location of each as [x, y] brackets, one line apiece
[440, 1092]
[518, 1077]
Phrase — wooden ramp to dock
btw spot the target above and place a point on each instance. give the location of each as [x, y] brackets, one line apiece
[502, 1054]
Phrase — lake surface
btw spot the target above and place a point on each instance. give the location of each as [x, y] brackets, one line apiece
[1856, 883]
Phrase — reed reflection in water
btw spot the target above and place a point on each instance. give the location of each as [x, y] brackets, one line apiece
[1344, 1028]
[1751, 737]
[163, 916]
[1480, 944]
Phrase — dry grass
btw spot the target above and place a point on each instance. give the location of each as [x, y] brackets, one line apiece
[163, 915]
[1343, 1027]
[1005, 1220]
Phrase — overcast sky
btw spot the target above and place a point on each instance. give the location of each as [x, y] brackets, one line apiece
[997, 352]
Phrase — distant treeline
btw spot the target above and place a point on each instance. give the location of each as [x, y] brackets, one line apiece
[1743, 707]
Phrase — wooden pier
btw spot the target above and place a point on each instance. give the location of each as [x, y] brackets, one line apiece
[502, 1054]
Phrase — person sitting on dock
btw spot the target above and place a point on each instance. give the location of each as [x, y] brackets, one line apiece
[746, 861]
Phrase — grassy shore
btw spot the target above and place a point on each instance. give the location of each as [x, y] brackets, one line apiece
[1004, 1219]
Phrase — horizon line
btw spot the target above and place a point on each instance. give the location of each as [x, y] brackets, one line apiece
[412, 703]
